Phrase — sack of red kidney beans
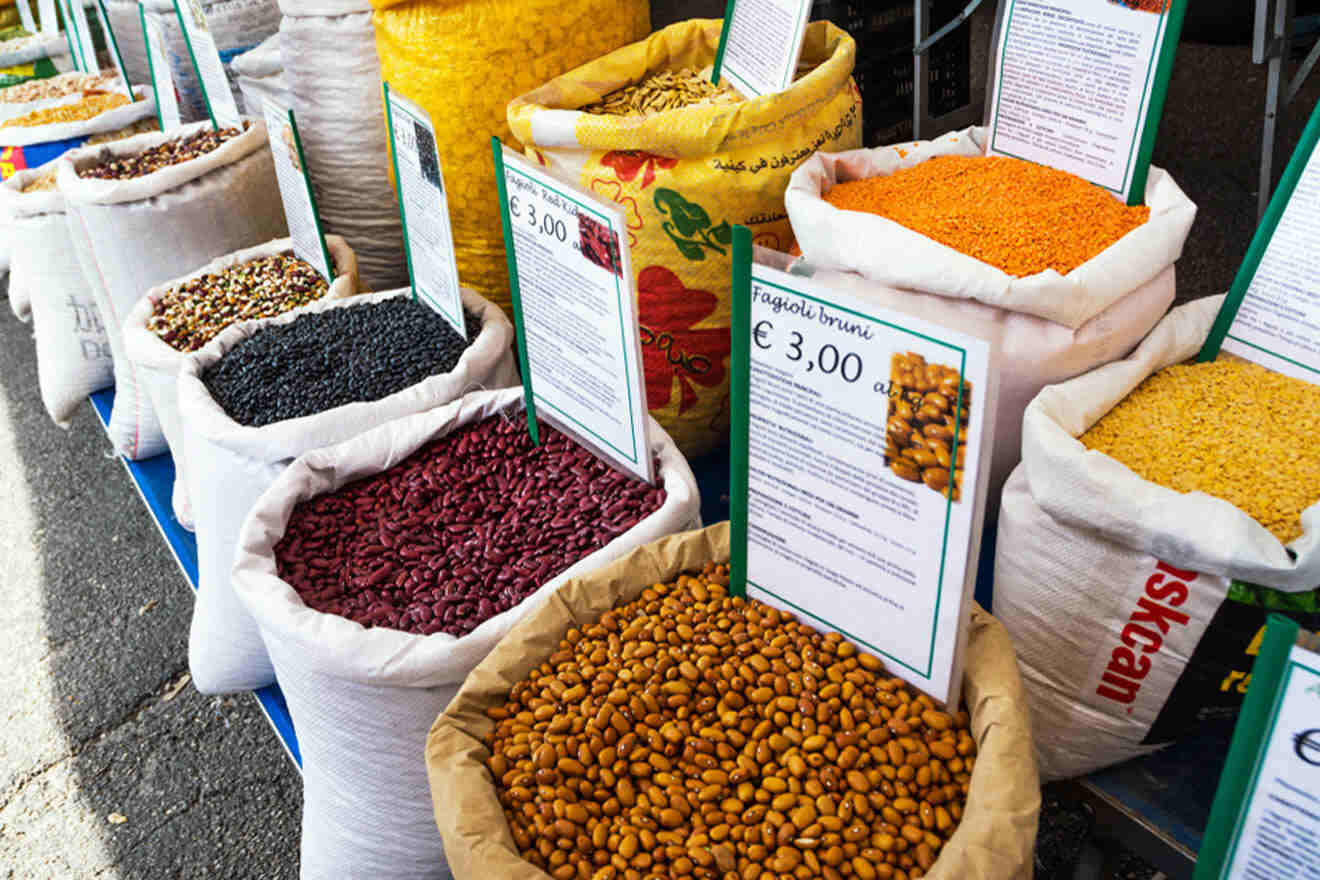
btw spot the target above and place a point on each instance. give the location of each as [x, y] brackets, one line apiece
[381, 570]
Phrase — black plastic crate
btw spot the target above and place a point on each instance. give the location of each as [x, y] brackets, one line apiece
[884, 35]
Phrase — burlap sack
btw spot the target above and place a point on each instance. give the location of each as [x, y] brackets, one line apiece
[998, 832]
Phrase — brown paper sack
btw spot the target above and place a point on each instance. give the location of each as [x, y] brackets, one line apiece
[998, 830]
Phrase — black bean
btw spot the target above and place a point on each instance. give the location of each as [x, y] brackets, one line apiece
[339, 356]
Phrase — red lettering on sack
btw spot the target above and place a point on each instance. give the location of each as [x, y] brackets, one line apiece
[1123, 675]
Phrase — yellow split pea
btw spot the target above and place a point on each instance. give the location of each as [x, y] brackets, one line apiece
[1230, 428]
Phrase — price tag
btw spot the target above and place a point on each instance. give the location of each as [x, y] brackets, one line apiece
[1079, 85]
[50, 19]
[113, 45]
[296, 189]
[158, 66]
[424, 207]
[760, 45]
[206, 61]
[25, 16]
[1272, 312]
[575, 308]
[1266, 814]
[859, 453]
[82, 36]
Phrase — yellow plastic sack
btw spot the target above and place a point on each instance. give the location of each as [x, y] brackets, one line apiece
[463, 61]
[684, 178]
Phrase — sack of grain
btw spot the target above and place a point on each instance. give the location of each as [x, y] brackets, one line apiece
[231, 464]
[28, 136]
[466, 96]
[328, 52]
[136, 233]
[1043, 328]
[367, 811]
[1136, 610]
[994, 839]
[684, 177]
[73, 350]
[158, 362]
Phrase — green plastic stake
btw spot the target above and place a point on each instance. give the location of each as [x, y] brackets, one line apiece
[512, 260]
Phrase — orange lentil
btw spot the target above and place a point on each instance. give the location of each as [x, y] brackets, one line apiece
[1020, 217]
[87, 108]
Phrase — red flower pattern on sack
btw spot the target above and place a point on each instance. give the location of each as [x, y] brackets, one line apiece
[672, 346]
[613, 190]
[628, 163]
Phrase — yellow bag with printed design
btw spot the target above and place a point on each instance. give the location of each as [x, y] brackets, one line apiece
[685, 177]
[463, 61]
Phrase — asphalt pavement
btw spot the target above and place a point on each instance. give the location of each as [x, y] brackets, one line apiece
[113, 766]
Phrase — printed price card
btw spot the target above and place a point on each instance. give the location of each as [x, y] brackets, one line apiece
[424, 207]
[296, 189]
[50, 20]
[82, 36]
[25, 16]
[1080, 84]
[206, 61]
[859, 453]
[576, 312]
[162, 81]
[760, 45]
[1265, 820]
[1272, 312]
[113, 45]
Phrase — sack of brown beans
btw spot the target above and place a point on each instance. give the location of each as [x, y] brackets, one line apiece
[264, 392]
[934, 228]
[155, 207]
[644, 127]
[644, 724]
[381, 570]
[73, 349]
[328, 55]
[180, 316]
[1161, 511]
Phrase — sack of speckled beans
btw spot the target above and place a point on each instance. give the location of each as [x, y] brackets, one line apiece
[1163, 509]
[687, 160]
[381, 570]
[158, 206]
[1059, 275]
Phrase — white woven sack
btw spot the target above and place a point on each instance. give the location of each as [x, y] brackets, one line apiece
[1108, 582]
[12, 199]
[260, 74]
[158, 362]
[42, 46]
[73, 350]
[110, 120]
[884, 251]
[362, 699]
[230, 465]
[330, 66]
[127, 25]
[134, 234]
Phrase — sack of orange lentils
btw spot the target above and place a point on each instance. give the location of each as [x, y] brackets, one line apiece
[1056, 273]
[1162, 511]
[687, 160]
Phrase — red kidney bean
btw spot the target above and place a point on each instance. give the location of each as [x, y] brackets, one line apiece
[464, 529]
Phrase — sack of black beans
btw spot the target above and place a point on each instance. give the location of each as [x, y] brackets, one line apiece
[180, 316]
[154, 207]
[264, 392]
[445, 529]
[1137, 609]
[73, 349]
[996, 809]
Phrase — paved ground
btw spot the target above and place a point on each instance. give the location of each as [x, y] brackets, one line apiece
[97, 721]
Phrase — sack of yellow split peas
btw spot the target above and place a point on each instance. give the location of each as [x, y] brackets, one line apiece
[687, 161]
[1163, 509]
[642, 723]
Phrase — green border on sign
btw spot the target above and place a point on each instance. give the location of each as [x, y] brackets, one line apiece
[311, 194]
[75, 54]
[113, 42]
[515, 293]
[201, 83]
[718, 69]
[746, 87]
[1156, 87]
[740, 419]
[1260, 242]
[151, 65]
[1246, 753]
